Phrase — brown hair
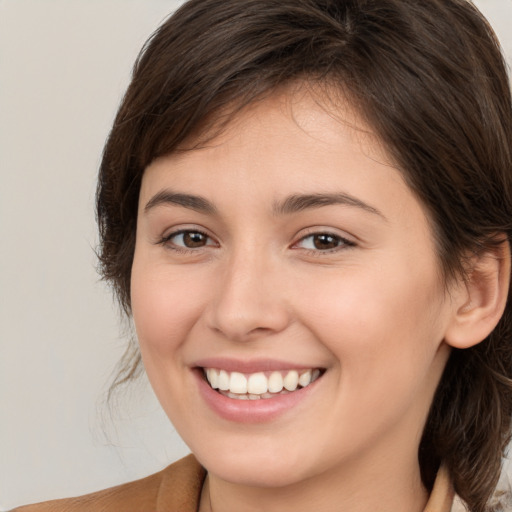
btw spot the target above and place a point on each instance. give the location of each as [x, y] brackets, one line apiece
[428, 76]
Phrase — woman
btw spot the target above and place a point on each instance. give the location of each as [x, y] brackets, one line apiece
[306, 206]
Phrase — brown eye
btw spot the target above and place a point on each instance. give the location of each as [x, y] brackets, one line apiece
[187, 240]
[324, 242]
[194, 239]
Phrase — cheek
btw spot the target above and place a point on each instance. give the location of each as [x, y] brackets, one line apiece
[380, 324]
[165, 307]
[385, 343]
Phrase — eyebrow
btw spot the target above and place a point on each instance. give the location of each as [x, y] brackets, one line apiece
[300, 202]
[192, 202]
[292, 204]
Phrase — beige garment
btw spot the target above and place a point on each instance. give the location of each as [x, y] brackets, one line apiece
[177, 489]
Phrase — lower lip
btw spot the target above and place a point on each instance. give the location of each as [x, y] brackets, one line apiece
[251, 411]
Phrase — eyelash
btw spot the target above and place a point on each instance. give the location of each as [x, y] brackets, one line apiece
[342, 243]
[167, 241]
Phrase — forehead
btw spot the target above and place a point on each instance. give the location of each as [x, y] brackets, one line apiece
[297, 134]
[292, 143]
[317, 109]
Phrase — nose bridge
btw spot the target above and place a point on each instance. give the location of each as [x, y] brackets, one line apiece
[249, 300]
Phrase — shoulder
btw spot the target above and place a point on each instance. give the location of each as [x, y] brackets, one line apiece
[177, 487]
[137, 495]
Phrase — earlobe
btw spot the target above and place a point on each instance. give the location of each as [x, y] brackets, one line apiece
[479, 302]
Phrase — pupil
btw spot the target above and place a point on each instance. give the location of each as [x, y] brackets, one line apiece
[325, 242]
[194, 239]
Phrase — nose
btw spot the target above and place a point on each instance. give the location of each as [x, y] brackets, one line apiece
[250, 299]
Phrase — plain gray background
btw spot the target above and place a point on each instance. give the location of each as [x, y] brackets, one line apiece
[64, 65]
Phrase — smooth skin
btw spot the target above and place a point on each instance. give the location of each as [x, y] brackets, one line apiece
[239, 271]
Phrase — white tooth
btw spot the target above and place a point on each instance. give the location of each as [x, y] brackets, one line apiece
[275, 382]
[305, 378]
[212, 377]
[223, 380]
[254, 397]
[237, 396]
[257, 384]
[266, 395]
[291, 380]
[238, 383]
[315, 375]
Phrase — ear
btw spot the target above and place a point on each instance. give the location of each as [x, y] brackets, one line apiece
[479, 302]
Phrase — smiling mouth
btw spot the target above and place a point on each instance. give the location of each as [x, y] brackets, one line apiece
[260, 385]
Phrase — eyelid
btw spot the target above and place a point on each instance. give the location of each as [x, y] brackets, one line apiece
[165, 240]
[345, 241]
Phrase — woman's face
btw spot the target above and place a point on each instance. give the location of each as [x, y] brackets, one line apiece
[289, 249]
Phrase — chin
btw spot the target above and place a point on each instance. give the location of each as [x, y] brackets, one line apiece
[257, 467]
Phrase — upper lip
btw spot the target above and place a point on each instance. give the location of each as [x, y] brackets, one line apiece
[251, 366]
